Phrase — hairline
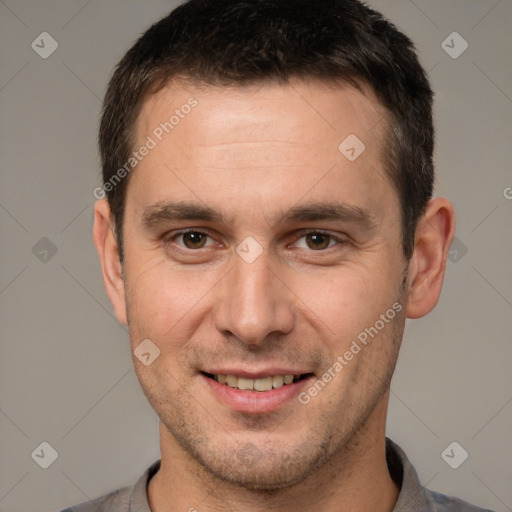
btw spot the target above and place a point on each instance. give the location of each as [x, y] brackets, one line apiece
[164, 79]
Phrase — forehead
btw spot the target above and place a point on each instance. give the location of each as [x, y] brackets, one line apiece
[272, 141]
[307, 108]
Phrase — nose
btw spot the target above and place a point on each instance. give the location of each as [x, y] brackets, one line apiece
[253, 303]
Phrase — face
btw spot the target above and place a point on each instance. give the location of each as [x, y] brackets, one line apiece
[259, 251]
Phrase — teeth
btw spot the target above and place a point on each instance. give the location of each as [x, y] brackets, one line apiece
[277, 381]
[288, 379]
[231, 381]
[263, 384]
[244, 383]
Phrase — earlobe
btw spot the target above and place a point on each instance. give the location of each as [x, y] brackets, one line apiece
[434, 235]
[108, 251]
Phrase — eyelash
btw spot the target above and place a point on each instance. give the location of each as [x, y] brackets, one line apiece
[173, 236]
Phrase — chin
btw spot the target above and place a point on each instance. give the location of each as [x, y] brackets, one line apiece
[261, 468]
[261, 477]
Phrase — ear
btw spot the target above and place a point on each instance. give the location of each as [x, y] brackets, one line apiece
[108, 250]
[434, 235]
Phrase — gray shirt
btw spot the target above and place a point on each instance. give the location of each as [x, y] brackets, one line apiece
[413, 496]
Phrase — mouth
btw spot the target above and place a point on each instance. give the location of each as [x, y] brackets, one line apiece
[260, 384]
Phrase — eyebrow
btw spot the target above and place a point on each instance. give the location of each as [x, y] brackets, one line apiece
[162, 212]
[343, 212]
[171, 211]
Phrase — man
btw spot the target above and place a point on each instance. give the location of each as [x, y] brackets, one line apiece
[268, 226]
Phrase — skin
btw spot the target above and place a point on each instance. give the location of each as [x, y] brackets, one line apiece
[253, 154]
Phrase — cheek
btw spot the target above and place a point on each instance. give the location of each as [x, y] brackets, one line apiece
[164, 301]
[348, 298]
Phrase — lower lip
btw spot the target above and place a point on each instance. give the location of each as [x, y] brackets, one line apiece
[255, 402]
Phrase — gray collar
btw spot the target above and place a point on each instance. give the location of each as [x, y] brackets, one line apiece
[413, 496]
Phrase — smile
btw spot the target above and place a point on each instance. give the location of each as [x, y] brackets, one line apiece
[261, 384]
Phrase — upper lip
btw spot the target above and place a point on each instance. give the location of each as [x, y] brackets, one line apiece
[267, 372]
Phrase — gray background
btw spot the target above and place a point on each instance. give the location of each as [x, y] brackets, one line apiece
[66, 372]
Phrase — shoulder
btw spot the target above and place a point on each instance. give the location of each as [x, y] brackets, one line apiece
[133, 497]
[125, 499]
[450, 504]
[413, 496]
[115, 501]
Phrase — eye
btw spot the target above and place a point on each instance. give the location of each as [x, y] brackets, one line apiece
[317, 241]
[191, 239]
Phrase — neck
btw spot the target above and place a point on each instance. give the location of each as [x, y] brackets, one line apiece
[356, 476]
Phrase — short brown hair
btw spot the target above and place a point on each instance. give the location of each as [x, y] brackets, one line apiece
[238, 42]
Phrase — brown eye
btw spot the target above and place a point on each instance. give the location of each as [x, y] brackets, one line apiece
[317, 241]
[194, 239]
